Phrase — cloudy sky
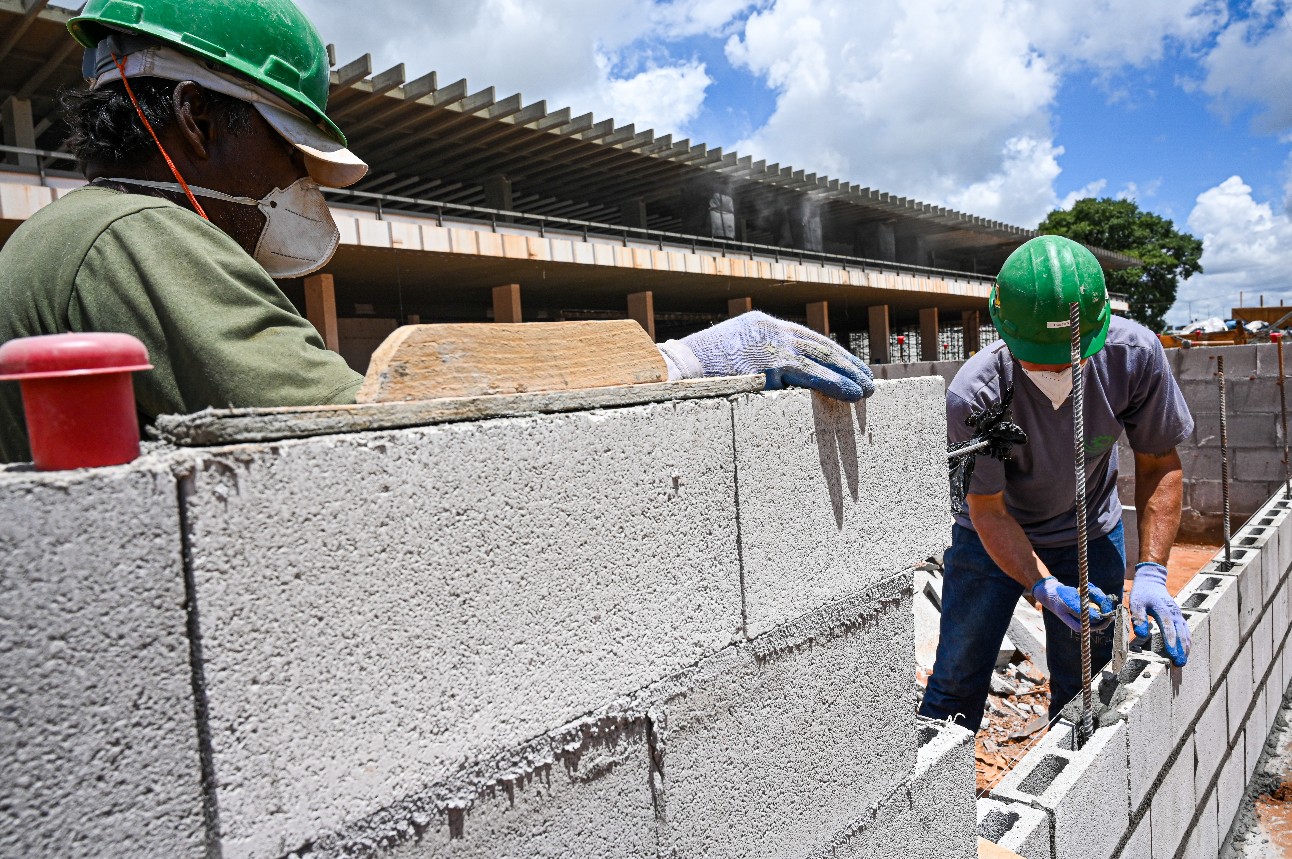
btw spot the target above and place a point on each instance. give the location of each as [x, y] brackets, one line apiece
[1001, 108]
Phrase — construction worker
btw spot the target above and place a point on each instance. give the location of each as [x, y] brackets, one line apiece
[1020, 528]
[205, 139]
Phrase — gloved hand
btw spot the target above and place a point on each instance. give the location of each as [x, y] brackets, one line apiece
[1149, 597]
[1065, 602]
[786, 353]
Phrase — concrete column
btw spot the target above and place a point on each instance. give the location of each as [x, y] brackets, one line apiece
[879, 353]
[737, 306]
[818, 317]
[929, 334]
[634, 214]
[914, 250]
[497, 192]
[969, 321]
[320, 308]
[19, 130]
[876, 241]
[641, 306]
[413, 319]
[506, 303]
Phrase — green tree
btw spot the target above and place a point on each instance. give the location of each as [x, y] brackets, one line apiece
[1167, 255]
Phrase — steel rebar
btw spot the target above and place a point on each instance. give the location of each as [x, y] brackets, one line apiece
[1224, 457]
[1086, 728]
[1283, 410]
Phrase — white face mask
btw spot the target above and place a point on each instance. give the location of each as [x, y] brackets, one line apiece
[299, 236]
[1055, 384]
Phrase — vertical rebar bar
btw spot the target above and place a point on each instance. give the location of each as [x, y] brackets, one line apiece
[1283, 410]
[1224, 456]
[1087, 727]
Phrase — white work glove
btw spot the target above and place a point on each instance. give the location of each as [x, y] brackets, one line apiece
[786, 353]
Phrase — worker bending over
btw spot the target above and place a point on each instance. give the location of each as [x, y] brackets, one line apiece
[1020, 529]
[205, 139]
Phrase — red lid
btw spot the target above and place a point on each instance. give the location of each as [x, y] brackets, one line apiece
[77, 354]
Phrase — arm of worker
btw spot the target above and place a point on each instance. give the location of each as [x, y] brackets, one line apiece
[228, 334]
[1159, 482]
[1008, 546]
[786, 353]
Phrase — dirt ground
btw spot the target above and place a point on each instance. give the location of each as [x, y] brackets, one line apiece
[1016, 720]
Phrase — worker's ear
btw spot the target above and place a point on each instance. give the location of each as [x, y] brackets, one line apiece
[195, 121]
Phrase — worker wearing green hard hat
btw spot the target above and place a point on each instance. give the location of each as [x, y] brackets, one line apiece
[205, 137]
[1019, 529]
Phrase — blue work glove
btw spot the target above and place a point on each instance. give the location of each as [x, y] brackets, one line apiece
[1149, 597]
[1065, 602]
[786, 353]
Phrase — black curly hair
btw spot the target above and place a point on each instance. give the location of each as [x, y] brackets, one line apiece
[105, 128]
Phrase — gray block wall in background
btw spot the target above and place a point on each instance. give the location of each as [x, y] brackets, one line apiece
[100, 745]
[378, 609]
[835, 496]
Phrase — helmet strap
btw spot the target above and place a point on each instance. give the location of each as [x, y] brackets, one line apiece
[148, 125]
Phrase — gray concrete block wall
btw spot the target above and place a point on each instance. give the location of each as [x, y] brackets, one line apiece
[854, 514]
[1183, 804]
[100, 743]
[1017, 826]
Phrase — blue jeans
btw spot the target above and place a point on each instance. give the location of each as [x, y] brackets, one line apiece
[978, 599]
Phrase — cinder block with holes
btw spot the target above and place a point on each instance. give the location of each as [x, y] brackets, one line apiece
[1076, 787]
[1240, 690]
[1016, 826]
[1217, 596]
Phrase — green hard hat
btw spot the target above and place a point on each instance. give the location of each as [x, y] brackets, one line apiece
[1030, 303]
[269, 41]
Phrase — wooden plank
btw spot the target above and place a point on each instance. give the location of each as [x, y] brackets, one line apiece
[506, 303]
[238, 426]
[424, 362]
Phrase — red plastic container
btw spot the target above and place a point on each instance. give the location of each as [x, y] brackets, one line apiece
[78, 396]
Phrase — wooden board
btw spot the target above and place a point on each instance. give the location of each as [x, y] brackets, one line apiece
[236, 426]
[424, 362]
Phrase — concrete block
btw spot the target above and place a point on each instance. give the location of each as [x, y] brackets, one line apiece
[1253, 743]
[770, 745]
[1017, 827]
[1262, 647]
[1229, 790]
[1139, 843]
[1191, 685]
[864, 486]
[583, 790]
[1245, 431]
[100, 745]
[1211, 742]
[1076, 787]
[933, 814]
[1142, 701]
[1200, 362]
[1204, 841]
[441, 593]
[1217, 596]
[1173, 803]
[1239, 691]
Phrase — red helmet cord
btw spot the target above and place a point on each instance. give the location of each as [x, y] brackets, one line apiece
[148, 125]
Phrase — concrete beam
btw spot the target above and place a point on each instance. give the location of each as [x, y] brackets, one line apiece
[818, 317]
[930, 336]
[879, 349]
[506, 303]
[320, 308]
[19, 130]
[641, 307]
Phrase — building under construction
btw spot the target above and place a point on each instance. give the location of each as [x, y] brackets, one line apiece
[479, 207]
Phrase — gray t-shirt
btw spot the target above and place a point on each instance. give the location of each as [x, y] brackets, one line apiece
[1128, 386]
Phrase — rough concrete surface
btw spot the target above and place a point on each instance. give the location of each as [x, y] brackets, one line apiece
[1264, 833]
[100, 746]
[932, 815]
[834, 496]
[1015, 826]
[773, 747]
[1076, 787]
[1174, 803]
[438, 594]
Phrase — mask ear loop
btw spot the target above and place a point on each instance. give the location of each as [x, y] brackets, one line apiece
[148, 125]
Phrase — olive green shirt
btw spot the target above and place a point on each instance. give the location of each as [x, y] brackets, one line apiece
[219, 331]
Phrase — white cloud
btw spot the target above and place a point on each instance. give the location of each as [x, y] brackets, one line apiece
[947, 101]
[664, 98]
[1091, 189]
[1252, 64]
[1247, 247]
